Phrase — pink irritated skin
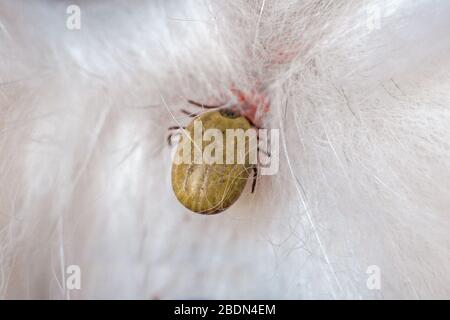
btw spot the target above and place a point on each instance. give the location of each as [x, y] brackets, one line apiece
[253, 105]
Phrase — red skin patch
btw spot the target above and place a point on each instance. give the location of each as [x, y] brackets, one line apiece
[253, 105]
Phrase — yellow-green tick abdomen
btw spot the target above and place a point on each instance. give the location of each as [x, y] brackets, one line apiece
[210, 188]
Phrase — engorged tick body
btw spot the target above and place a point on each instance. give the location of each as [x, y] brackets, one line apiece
[211, 188]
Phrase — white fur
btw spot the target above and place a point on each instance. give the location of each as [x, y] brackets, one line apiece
[365, 168]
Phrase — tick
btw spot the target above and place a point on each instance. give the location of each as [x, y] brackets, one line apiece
[212, 188]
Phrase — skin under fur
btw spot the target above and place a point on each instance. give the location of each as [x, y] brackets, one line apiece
[359, 91]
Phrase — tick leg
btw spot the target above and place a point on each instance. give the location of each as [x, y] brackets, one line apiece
[255, 176]
[175, 128]
[169, 137]
[205, 106]
[265, 152]
[190, 114]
